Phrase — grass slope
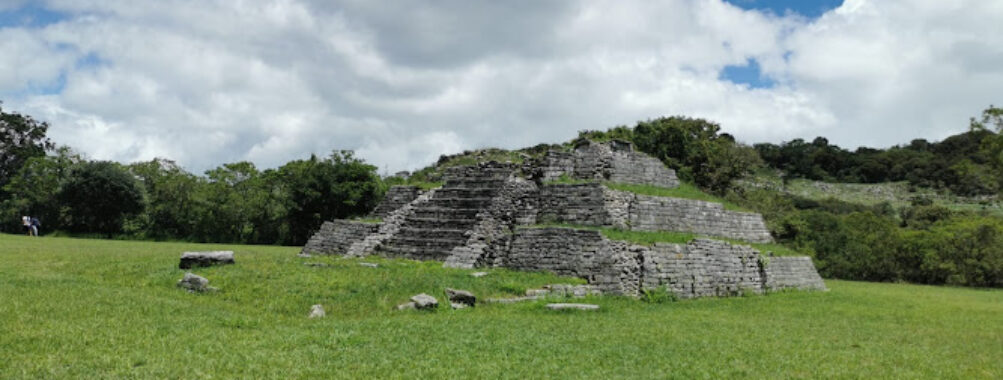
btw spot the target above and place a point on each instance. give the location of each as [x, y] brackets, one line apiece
[109, 309]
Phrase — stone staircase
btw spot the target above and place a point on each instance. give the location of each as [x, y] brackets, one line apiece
[434, 228]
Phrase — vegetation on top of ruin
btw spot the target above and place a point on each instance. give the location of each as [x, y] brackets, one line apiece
[77, 308]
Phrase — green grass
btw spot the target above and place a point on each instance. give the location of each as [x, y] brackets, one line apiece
[76, 308]
[684, 190]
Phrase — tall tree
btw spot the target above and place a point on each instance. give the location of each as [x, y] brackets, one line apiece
[323, 189]
[21, 138]
[99, 196]
[33, 189]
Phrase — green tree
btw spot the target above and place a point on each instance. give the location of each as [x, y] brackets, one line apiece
[33, 190]
[170, 194]
[323, 189]
[99, 196]
[21, 138]
[695, 149]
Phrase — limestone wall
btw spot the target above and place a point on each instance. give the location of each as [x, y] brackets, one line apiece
[582, 204]
[792, 272]
[335, 237]
[702, 268]
[396, 197]
[573, 252]
[641, 169]
[651, 213]
[592, 204]
[612, 161]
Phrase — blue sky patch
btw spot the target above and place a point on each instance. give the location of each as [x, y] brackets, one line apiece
[807, 8]
[30, 16]
[748, 74]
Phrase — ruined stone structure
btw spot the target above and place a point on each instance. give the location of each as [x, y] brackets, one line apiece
[490, 215]
[615, 161]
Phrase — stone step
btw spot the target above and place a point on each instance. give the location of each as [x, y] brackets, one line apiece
[438, 223]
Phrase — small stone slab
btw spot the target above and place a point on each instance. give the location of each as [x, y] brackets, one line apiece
[304, 255]
[317, 311]
[457, 306]
[371, 265]
[205, 259]
[479, 274]
[424, 301]
[406, 306]
[194, 283]
[461, 297]
[572, 306]
[511, 300]
[320, 265]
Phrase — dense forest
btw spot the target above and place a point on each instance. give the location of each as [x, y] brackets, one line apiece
[238, 203]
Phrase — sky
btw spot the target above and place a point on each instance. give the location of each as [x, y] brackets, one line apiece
[208, 82]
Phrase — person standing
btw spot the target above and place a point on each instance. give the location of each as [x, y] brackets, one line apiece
[35, 224]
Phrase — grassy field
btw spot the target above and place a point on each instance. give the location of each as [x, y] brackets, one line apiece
[74, 308]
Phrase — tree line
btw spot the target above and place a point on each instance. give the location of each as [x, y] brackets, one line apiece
[158, 200]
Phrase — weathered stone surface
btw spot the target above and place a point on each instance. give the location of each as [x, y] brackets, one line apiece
[424, 301]
[791, 272]
[396, 197]
[564, 290]
[457, 306]
[511, 299]
[593, 204]
[614, 161]
[479, 274]
[651, 213]
[461, 297]
[317, 311]
[572, 306]
[407, 306]
[335, 237]
[205, 259]
[443, 223]
[194, 283]
[370, 265]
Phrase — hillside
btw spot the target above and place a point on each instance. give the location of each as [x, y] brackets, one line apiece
[89, 308]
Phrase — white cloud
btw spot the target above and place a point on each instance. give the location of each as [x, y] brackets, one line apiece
[210, 82]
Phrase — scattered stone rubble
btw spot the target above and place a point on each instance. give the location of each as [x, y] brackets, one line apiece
[317, 311]
[484, 216]
[572, 306]
[205, 259]
[459, 299]
[194, 283]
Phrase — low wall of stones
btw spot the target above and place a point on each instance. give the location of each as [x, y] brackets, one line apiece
[396, 197]
[791, 272]
[582, 204]
[641, 169]
[702, 268]
[335, 237]
[592, 204]
[573, 252]
[612, 161]
[652, 213]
